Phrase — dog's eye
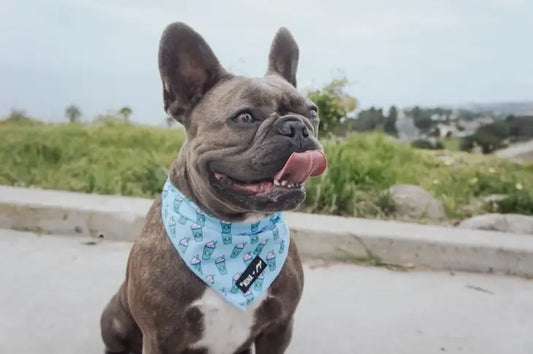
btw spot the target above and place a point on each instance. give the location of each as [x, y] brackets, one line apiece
[244, 118]
[313, 113]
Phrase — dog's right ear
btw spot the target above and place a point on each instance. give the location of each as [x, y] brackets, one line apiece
[188, 69]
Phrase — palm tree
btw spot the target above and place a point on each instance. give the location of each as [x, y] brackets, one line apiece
[73, 113]
[126, 112]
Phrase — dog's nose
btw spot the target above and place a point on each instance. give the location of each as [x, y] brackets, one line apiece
[292, 127]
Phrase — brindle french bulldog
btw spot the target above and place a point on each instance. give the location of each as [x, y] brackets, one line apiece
[251, 146]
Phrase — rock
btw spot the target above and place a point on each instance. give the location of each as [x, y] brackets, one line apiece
[514, 223]
[494, 198]
[413, 202]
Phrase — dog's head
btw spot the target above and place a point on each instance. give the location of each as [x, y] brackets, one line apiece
[251, 142]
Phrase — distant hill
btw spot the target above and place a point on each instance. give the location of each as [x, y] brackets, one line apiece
[515, 108]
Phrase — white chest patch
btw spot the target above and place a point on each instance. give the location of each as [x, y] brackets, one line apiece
[226, 327]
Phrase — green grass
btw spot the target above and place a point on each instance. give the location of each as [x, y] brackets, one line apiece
[112, 158]
[452, 144]
[105, 159]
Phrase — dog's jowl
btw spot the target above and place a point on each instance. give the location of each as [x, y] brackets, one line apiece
[214, 269]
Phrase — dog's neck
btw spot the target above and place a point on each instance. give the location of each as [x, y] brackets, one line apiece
[181, 178]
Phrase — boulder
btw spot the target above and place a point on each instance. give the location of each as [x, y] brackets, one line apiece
[515, 223]
[494, 198]
[413, 202]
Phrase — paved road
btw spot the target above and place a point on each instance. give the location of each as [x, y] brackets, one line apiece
[521, 151]
[52, 290]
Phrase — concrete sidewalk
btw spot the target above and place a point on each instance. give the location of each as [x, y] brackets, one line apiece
[54, 288]
[318, 236]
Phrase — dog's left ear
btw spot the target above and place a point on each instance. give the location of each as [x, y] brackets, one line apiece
[283, 58]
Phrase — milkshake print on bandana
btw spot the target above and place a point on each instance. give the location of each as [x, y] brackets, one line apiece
[239, 261]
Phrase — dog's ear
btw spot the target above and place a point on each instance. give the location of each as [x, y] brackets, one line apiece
[188, 69]
[283, 58]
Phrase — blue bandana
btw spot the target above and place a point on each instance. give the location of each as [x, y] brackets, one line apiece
[238, 260]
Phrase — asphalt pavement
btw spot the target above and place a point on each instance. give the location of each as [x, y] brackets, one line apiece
[53, 288]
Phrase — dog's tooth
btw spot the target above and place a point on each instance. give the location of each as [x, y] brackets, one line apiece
[276, 182]
[283, 183]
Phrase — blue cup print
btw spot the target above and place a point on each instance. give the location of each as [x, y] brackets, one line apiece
[197, 233]
[200, 217]
[172, 226]
[249, 296]
[177, 203]
[259, 247]
[226, 239]
[237, 249]
[166, 187]
[196, 263]
[234, 288]
[254, 238]
[226, 226]
[255, 227]
[274, 218]
[208, 250]
[281, 246]
[182, 220]
[258, 285]
[184, 244]
[271, 260]
[247, 259]
[223, 292]
[220, 263]
[210, 279]
[275, 233]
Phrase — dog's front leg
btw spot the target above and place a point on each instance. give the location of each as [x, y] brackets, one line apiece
[275, 338]
[155, 343]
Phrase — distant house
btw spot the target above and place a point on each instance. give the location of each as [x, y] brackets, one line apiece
[469, 127]
[447, 130]
[436, 117]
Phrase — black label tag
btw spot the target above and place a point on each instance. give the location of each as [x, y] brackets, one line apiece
[249, 276]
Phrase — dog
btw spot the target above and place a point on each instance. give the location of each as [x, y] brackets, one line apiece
[252, 143]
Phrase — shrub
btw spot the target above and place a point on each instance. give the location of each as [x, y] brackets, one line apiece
[467, 143]
[334, 105]
[490, 137]
[428, 144]
[519, 202]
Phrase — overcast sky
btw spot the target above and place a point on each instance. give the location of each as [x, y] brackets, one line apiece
[102, 55]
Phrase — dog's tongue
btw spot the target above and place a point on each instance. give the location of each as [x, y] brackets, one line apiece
[302, 165]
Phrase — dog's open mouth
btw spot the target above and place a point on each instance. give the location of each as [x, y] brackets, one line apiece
[297, 170]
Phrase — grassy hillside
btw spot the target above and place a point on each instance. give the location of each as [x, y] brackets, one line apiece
[113, 158]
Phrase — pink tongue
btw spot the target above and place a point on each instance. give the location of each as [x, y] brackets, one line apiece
[302, 165]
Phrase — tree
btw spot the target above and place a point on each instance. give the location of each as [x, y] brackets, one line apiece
[17, 115]
[370, 119]
[421, 119]
[126, 112]
[334, 105]
[467, 115]
[73, 113]
[390, 122]
[492, 136]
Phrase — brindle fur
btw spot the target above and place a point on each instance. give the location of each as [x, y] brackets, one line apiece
[151, 312]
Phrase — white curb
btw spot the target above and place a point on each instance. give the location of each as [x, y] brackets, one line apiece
[317, 236]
